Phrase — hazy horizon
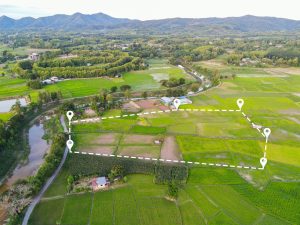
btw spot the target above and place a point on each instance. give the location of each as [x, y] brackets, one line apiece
[149, 10]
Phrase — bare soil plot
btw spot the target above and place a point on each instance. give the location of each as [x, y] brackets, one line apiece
[89, 112]
[147, 104]
[170, 149]
[151, 104]
[107, 139]
[288, 70]
[142, 151]
[213, 63]
[138, 139]
[3, 215]
[99, 149]
[131, 107]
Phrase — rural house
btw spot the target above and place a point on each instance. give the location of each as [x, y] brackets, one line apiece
[99, 183]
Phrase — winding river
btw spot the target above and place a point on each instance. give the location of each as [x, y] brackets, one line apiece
[38, 149]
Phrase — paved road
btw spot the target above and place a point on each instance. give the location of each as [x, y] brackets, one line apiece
[48, 183]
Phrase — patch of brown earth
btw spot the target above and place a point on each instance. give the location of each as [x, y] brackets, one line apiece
[106, 139]
[131, 107]
[90, 112]
[289, 70]
[213, 63]
[147, 104]
[3, 215]
[138, 139]
[170, 149]
[151, 104]
[99, 149]
[290, 111]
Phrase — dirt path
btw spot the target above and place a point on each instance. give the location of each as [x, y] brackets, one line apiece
[3, 215]
[170, 149]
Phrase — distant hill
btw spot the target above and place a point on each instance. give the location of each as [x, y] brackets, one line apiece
[100, 21]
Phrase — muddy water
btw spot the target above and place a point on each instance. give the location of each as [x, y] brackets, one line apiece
[38, 149]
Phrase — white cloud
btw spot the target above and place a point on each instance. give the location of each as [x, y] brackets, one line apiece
[153, 9]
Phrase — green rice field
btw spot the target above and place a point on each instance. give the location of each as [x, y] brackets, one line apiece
[211, 195]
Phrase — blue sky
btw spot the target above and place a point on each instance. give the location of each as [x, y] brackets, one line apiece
[152, 9]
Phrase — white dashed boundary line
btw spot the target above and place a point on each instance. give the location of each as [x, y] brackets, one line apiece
[172, 161]
[169, 160]
[259, 131]
[153, 112]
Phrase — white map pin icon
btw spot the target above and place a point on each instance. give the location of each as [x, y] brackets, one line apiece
[70, 144]
[267, 132]
[177, 103]
[240, 103]
[70, 115]
[263, 162]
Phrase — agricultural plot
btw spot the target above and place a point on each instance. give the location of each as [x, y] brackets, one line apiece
[13, 87]
[191, 136]
[212, 195]
[201, 201]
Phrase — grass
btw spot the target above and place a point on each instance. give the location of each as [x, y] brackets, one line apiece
[103, 208]
[232, 203]
[13, 87]
[77, 209]
[92, 86]
[47, 212]
[5, 116]
[147, 130]
[276, 194]
[59, 186]
[213, 196]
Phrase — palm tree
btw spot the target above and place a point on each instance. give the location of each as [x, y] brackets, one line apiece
[17, 108]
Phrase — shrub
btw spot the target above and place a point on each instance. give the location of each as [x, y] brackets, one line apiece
[173, 189]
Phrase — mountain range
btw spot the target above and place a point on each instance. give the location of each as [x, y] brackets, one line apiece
[103, 22]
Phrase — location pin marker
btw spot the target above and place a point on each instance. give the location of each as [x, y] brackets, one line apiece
[70, 115]
[267, 132]
[70, 144]
[177, 103]
[263, 162]
[240, 103]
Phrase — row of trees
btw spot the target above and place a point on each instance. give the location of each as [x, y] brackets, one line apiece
[173, 82]
[274, 56]
[82, 59]
[212, 74]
